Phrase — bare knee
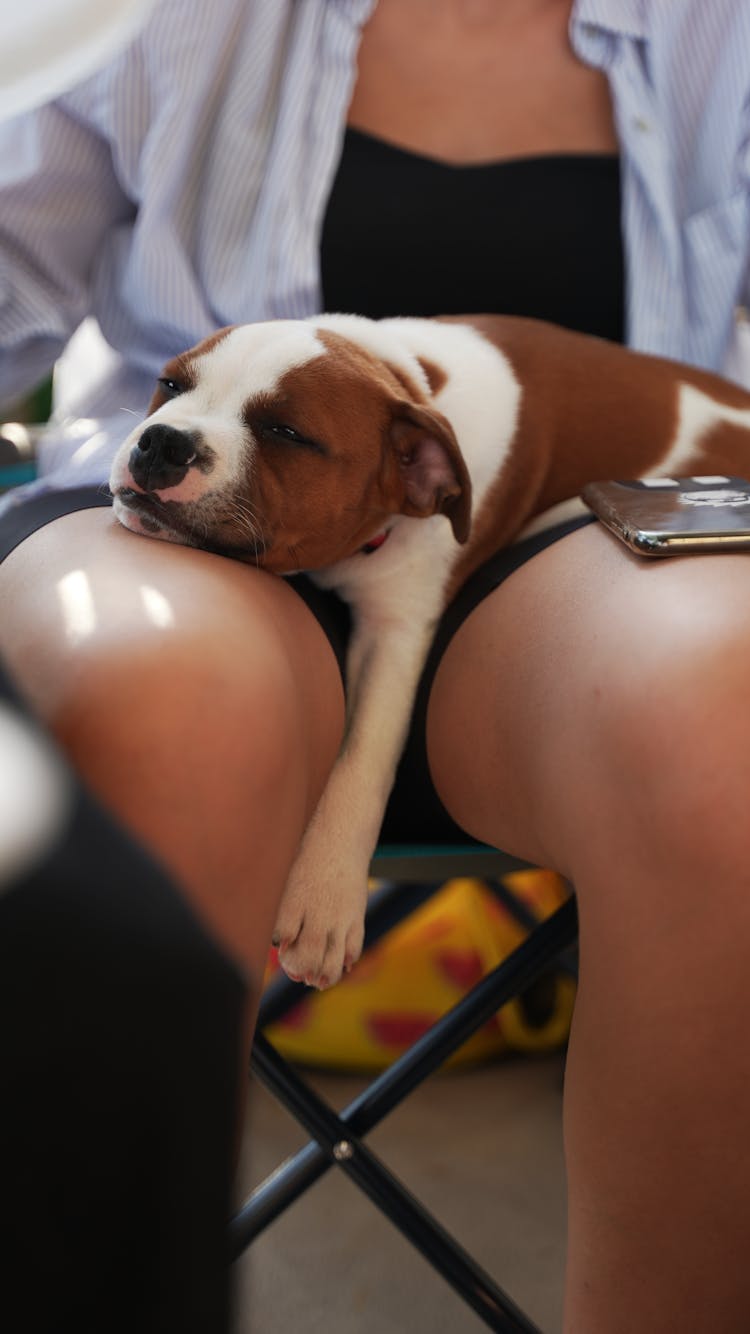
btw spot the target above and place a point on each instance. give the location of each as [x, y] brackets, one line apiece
[205, 714]
[184, 707]
[212, 762]
[111, 636]
[631, 717]
[595, 706]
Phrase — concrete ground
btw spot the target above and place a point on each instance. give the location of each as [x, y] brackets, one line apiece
[482, 1149]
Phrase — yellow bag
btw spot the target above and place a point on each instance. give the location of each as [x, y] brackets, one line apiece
[417, 972]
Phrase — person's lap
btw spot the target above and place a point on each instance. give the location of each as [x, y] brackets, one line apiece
[522, 699]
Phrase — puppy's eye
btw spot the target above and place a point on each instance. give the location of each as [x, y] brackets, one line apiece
[285, 432]
[280, 431]
[171, 388]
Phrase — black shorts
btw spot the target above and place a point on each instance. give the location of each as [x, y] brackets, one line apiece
[415, 813]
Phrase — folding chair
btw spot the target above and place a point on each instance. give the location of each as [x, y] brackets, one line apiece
[412, 875]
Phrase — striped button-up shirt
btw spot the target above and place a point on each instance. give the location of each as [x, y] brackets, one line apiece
[183, 187]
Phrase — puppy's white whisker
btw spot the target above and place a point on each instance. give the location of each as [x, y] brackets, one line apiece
[248, 520]
[244, 508]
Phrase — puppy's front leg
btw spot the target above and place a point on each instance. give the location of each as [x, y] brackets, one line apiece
[320, 925]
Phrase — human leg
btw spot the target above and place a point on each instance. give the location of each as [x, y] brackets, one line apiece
[593, 715]
[199, 699]
[120, 1025]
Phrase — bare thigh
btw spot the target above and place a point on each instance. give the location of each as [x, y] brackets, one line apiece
[587, 660]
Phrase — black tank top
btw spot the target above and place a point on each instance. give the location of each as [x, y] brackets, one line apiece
[406, 234]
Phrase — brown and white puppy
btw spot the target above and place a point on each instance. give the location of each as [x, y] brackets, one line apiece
[390, 459]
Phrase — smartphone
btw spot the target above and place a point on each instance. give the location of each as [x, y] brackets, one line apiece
[669, 516]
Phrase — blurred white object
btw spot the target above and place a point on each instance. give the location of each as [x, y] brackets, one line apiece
[35, 797]
[47, 46]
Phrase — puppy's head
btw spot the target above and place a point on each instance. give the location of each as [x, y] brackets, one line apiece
[290, 445]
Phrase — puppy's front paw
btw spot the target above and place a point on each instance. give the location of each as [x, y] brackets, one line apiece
[320, 926]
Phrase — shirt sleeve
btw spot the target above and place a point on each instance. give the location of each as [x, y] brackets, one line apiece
[736, 364]
[59, 200]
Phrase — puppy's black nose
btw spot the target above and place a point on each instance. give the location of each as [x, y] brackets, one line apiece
[162, 457]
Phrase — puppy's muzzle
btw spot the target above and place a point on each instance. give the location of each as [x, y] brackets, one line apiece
[162, 457]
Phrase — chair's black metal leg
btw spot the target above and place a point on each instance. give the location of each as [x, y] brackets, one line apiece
[343, 1147]
[290, 1180]
[518, 909]
[271, 1197]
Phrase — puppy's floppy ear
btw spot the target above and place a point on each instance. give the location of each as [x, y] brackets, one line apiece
[431, 475]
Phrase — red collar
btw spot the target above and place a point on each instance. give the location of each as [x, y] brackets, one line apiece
[374, 543]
